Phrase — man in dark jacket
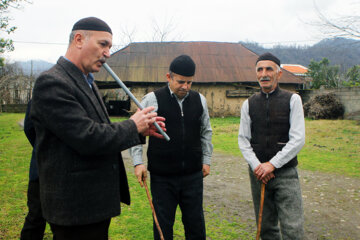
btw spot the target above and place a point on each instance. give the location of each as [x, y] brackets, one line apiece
[82, 175]
[272, 132]
[35, 223]
[177, 167]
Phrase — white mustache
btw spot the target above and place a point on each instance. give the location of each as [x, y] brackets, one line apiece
[265, 79]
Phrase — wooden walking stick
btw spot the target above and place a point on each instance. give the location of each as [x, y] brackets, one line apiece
[260, 211]
[153, 211]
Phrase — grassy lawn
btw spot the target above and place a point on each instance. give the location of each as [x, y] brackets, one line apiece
[15, 153]
[331, 146]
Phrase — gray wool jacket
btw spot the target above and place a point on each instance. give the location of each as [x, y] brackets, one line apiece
[81, 171]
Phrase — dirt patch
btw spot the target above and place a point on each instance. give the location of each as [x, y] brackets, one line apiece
[331, 202]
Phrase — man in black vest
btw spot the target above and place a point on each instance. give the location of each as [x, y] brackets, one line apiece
[272, 132]
[177, 167]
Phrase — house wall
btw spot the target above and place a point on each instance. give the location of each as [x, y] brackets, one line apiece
[220, 102]
[222, 99]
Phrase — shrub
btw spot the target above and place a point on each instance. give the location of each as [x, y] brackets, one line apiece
[324, 106]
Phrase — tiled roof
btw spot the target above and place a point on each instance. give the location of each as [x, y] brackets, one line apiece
[295, 68]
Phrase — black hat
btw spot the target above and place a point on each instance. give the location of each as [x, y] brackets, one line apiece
[92, 24]
[268, 56]
[183, 65]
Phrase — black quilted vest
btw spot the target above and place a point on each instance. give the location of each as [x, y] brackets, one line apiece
[182, 154]
[270, 124]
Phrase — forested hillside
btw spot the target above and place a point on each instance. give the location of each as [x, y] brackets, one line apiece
[340, 51]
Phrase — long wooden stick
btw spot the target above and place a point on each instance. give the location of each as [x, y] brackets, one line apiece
[260, 211]
[153, 211]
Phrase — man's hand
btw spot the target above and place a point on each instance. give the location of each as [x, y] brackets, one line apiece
[267, 178]
[143, 119]
[206, 170]
[264, 172]
[153, 130]
[141, 173]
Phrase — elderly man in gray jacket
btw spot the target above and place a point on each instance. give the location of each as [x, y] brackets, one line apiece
[82, 175]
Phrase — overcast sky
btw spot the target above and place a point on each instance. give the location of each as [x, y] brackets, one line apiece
[44, 26]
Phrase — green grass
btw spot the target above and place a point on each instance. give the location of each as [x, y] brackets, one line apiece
[331, 146]
[225, 135]
[135, 220]
[15, 152]
[219, 228]
[134, 223]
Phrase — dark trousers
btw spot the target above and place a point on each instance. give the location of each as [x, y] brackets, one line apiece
[186, 191]
[94, 231]
[34, 225]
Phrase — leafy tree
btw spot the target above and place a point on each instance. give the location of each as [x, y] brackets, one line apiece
[353, 76]
[323, 74]
[5, 27]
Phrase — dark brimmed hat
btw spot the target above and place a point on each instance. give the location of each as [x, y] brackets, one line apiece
[92, 24]
[183, 65]
[268, 56]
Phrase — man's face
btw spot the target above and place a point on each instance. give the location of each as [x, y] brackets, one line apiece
[95, 50]
[179, 84]
[268, 75]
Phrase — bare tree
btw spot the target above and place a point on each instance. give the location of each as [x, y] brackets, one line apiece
[127, 36]
[6, 80]
[344, 26]
[15, 87]
[162, 33]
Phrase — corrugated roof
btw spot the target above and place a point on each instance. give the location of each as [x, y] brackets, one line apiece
[215, 62]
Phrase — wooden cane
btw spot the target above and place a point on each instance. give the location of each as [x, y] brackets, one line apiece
[153, 211]
[260, 211]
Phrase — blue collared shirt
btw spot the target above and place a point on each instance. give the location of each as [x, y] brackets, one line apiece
[89, 78]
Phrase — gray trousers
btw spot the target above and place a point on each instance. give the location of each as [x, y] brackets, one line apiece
[282, 204]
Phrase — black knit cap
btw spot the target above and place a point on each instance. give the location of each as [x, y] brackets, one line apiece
[92, 24]
[183, 65]
[268, 56]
